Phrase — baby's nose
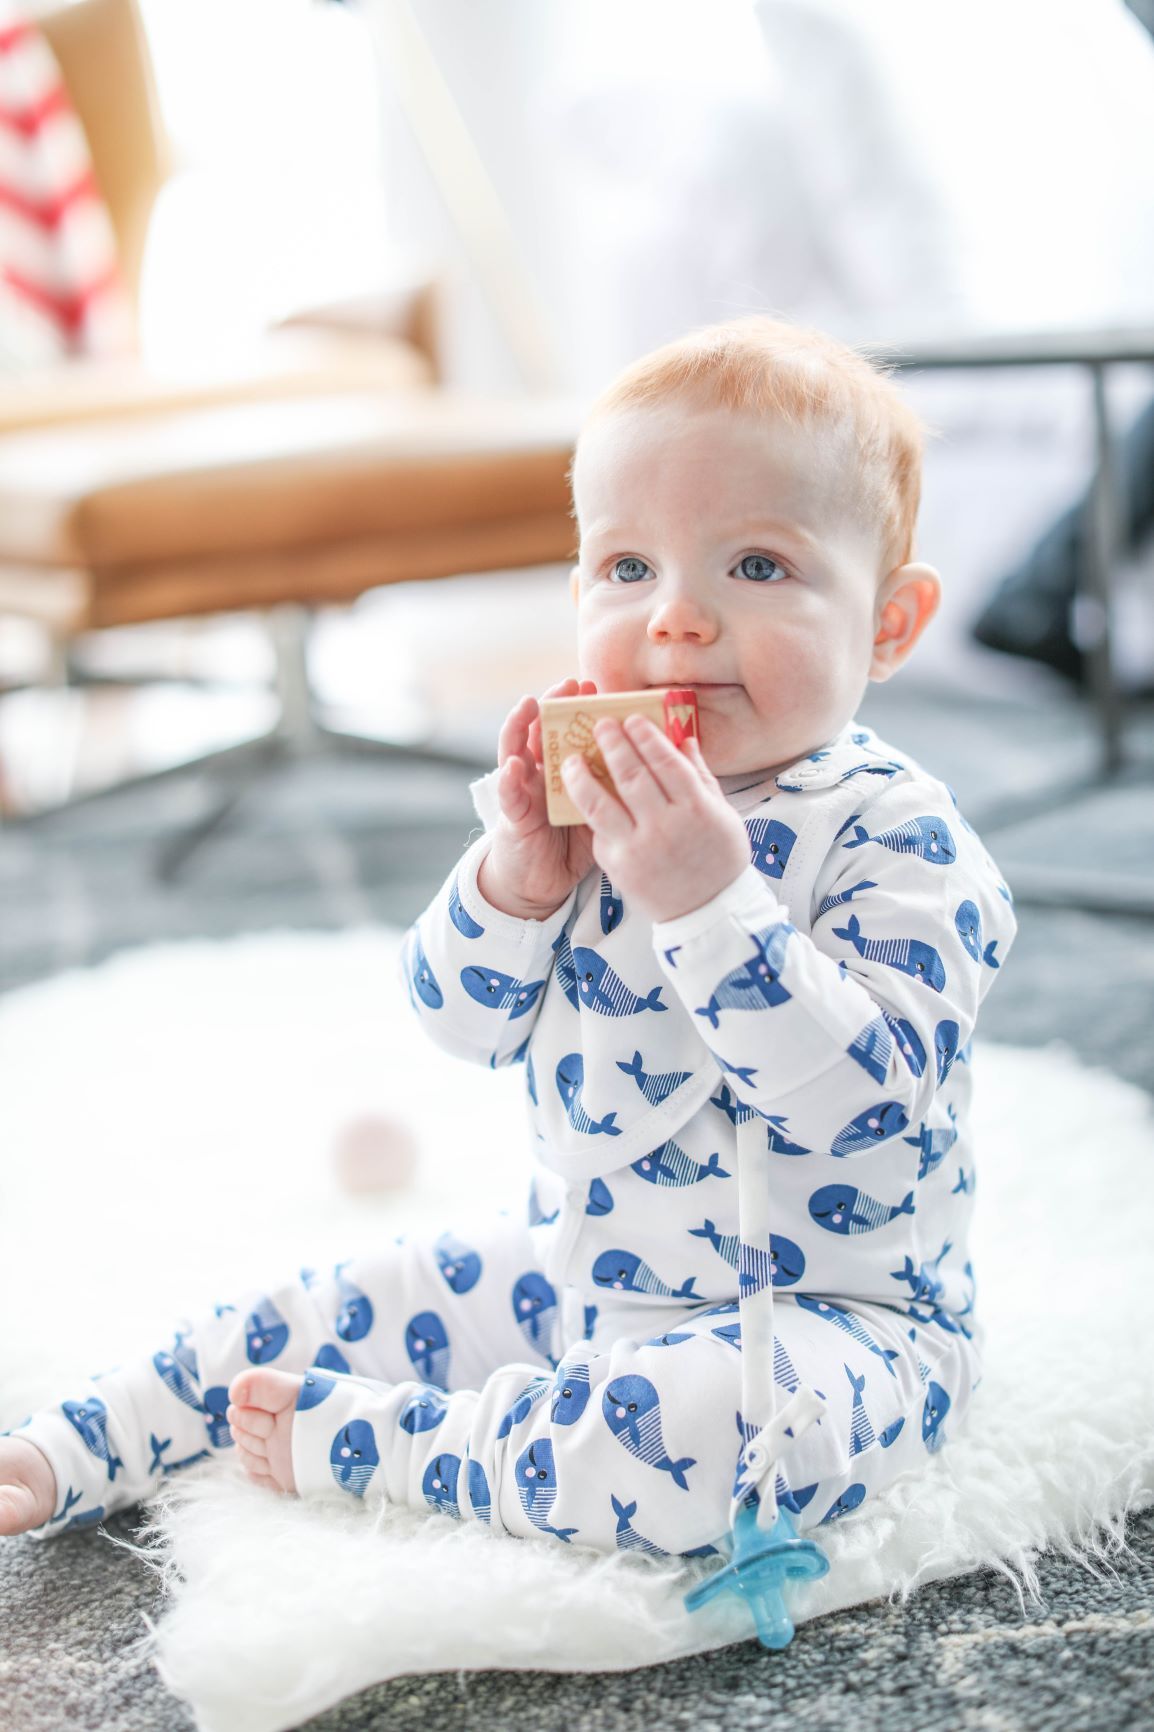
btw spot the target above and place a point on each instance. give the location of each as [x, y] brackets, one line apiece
[681, 616]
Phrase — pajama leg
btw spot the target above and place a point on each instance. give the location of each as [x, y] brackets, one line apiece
[633, 1442]
[442, 1311]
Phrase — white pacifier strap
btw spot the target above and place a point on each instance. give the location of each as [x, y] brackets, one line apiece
[758, 1387]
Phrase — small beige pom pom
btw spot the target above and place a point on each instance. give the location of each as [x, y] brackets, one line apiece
[374, 1153]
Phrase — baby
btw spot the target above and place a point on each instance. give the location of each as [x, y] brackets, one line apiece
[779, 938]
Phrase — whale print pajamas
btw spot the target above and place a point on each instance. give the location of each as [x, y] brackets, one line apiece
[572, 1368]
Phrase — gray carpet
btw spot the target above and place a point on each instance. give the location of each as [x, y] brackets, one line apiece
[325, 845]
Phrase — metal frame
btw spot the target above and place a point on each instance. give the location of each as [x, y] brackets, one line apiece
[1102, 892]
[300, 732]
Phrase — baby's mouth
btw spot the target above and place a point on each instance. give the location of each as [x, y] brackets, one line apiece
[695, 685]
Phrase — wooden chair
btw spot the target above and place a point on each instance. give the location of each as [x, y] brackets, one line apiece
[332, 462]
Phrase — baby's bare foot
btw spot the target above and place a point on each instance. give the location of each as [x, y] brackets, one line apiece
[262, 1406]
[27, 1486]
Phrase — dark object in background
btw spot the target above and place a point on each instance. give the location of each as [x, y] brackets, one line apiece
[1029, 613]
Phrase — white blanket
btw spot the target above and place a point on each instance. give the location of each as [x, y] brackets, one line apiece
[167, 1120]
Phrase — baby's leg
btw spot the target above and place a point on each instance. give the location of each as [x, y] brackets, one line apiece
[634, 1443]
[443, 1311]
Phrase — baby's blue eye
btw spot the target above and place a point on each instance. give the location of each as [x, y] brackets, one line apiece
[628, 570]
[760, 568]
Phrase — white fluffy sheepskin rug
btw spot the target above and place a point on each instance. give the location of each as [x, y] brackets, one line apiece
[169, 1122]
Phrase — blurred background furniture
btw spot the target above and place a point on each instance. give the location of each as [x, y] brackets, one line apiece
[331, 463]
[1091, 615]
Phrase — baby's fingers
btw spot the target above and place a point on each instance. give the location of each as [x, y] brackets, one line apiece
[570, 688]
[514, 734]
[518, 791]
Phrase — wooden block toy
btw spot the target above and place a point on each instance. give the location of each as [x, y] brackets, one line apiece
[567, 727]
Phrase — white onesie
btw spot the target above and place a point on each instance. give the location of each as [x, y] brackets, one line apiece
[573, 1368]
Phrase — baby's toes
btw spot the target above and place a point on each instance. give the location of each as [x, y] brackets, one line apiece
[265, 1388]
[263, 1406]
[256, 1467]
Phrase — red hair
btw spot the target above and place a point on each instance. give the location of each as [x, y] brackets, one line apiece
[793, 373]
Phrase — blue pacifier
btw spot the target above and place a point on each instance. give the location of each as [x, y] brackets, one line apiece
[760, 1564]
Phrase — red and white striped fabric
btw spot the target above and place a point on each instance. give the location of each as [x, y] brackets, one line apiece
[60, 289]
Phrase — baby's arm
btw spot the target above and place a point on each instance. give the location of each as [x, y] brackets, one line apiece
[475, 975]
[848, 1033]
[477, 961]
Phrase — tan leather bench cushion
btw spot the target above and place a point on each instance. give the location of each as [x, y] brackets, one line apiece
[286, 363]
[304, 499]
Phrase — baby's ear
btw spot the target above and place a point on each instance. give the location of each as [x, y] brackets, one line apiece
[574, 582]
[906, 603]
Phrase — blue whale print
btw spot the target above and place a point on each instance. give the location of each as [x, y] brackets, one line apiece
[771, 844]
[313, 1391]
[875, 1125]
[627, 1537]
[535, 1307]
[632, 1412]
[891, 1433]
[627, 1273]
[849, 1500]
[909, 955]
[423, 1411]
[497, 991]
[927, 838]
[570, 1079]
[612, 907]
[427, 1345]
[735, 1111]
[968, 922]
[537, 1486]
[654, 1088]
[873, 1048]
[600, 1198]
[460, 1265]
[89, 1420]
[330, 1358]
[531, 1079]
[671, 1166]
[439, 1484]
[174, 1377]
[570, 1391]
[936, 1406]
[841, 897]
[845, 1209]
[925, 1283]
[355, 1317]
[945, 1047]
[478, 1487]
[266, 1332]
[605, 992]
[460, 916]
[533, 1392]
[565, 969]
[935, 1144]
[861, 1431]
[756, 984]
[909, 1042]
[354, 1456]
[780, 1266]
[421, 977]
[216, 1417]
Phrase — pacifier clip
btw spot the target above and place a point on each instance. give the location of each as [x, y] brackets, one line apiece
[767, 1551]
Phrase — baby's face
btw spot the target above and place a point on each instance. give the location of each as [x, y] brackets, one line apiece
[727, 554]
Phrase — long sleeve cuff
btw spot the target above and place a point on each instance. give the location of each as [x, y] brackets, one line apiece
[749, 900]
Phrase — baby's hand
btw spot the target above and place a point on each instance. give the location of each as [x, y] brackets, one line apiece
[532, 865]
[670, 841]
